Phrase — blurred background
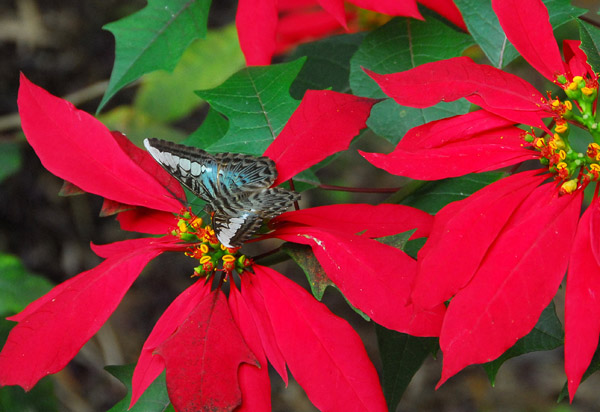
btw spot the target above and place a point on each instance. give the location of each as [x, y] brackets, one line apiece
[61, 46]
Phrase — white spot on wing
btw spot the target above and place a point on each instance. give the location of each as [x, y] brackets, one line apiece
[185, 164]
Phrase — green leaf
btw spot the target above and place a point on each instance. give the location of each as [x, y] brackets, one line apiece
[590, 43]
[212, 129]
[19, 287]
[546, 335]
[138, 125]
[154, 399]
[10, 159]
[403, 44]
[327, 64]
[317, 278]
[168, 96]
[304, 257]
[40, 398]
[398, 241]
[432, 196]
[257, 102]
[391, 121]
[401, 356]
[154, 38]
[485, 28]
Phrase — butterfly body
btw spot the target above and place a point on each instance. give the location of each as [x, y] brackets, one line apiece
[236, 187]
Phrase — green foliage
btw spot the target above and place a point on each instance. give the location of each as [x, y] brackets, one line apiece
[432, 196]
[590, 43]
[169, 96]
[401, 356]
[485, 28]
[19, 287]
[546, 335]
[327, 64]
[257, 102]
[40, 398]
[317, 278]
[391, 121]
[403, 44]
[10, 159]
[154, 399]
[154, 38]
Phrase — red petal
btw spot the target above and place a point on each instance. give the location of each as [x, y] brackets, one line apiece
[447, 9]
[336, 9]
[323, 124]
[304, 26]
[407, 8]
[374, 221]
[325, 355]
[203, 358]
[259, 313]
[256, 22]
[148, 366]
[145, 161]
[577, 60]
[52, 329]
[462, 234]
[165, 243]
[145, 220]
[527, 26]
[475, 142]
[518, 279]
[374, 277]
[501, 93]
[582, 305]
[254, 382]
[78, 148]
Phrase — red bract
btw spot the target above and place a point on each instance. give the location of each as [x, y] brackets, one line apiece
[500, 255]
[215, 349]
[267, 27]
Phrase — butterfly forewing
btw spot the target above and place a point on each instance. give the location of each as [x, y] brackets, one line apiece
[235, 187]
[194, 168]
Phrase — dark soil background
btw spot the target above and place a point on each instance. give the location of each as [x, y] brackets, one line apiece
[60, 45]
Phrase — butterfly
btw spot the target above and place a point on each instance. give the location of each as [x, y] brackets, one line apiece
[236, 187]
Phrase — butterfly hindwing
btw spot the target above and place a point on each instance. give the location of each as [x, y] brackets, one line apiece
[236, 220]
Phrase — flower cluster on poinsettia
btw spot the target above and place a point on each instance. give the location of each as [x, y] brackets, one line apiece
[266, 317]
[500, 255]
[284, 24]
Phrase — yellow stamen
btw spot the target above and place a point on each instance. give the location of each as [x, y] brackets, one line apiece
[568, 105]
[561, 128]
[595, 167]
[569, 186]
[228, 258]
[204, 259]
[204, 248]
[562, 154]
[182, 226]
[561, 165]
[572, 86]
[587, 91]
[577, 79]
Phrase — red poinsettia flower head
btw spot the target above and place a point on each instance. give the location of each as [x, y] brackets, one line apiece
[214, 347]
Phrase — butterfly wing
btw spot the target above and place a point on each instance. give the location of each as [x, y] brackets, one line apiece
[194, 168]
[236, 220]
[235, 186]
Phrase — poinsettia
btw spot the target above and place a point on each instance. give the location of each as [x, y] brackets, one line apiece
[215, 348]
[501, 254]
[271, 27]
